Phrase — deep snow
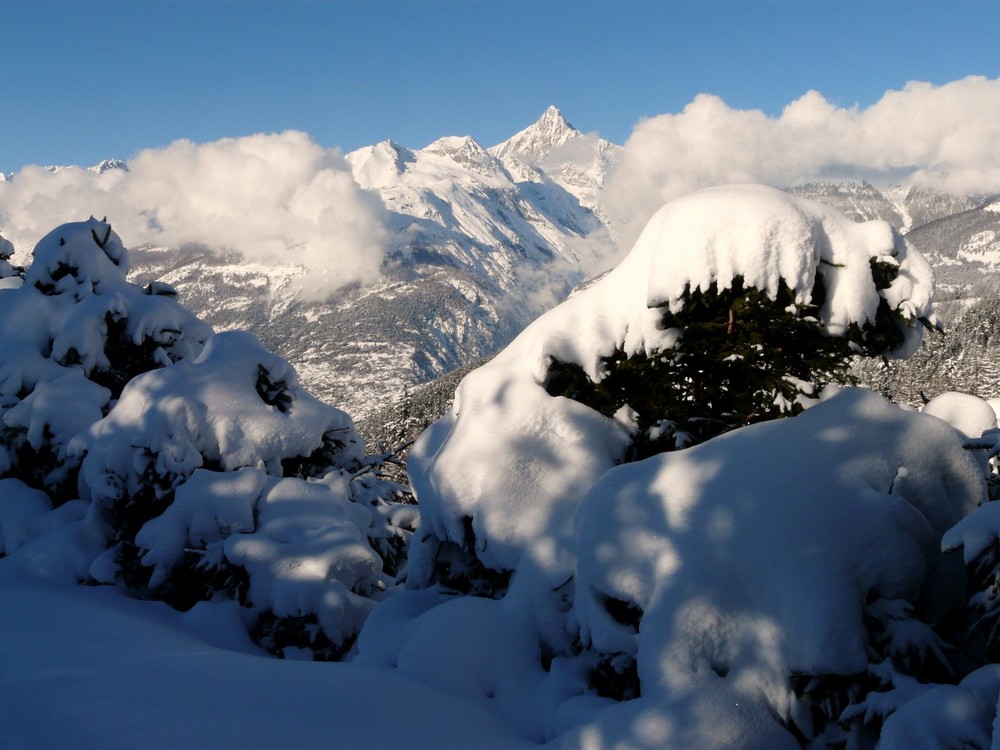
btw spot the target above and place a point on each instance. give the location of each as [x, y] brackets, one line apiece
[804, 548]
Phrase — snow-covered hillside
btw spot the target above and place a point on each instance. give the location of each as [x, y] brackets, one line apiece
[482, 240]
[959, 234]
[794, 582]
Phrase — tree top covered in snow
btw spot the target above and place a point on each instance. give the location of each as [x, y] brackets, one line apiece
[763, 237]
[766, 236]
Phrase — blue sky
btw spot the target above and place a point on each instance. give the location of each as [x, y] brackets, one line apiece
[81, 81]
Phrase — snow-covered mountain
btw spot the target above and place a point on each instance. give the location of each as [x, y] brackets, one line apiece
[537, 141]
[553, 149]
[482, 241]
[476, 253]
[105, 165]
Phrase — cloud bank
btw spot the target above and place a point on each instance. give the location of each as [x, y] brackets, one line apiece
[273, 198]
[943, 137]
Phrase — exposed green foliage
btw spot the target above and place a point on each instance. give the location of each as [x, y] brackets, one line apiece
[741, 358]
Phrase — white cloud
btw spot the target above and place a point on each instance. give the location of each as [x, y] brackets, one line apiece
[273, 198]
[938, 136]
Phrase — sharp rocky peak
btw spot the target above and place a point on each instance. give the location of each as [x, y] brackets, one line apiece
[554, 121]
[535, 142]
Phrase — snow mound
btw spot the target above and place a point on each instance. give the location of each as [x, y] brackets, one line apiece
[234, 406]
[948, 717]
[729, 576]
[24, 514]
[302, 544]
[968, 414]
[756, 554]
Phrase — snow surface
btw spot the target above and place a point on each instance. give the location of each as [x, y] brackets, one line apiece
[86, 667]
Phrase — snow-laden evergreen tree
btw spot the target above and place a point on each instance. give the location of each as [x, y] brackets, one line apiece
[784, 578]
[71, 336]
[736, 305]
[191, 465]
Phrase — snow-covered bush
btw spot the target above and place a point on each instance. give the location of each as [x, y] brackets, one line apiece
[735, 304]
[71, 336]
[7, 270]
[763, 299]
[222, 474]
[948, 717]
[978, 535]
[784, 579]
[968, 414]
[186, 466]
[798, 559]
[743, 358]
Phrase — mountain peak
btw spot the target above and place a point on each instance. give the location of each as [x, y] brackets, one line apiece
[536, 141]
[107, 165]
[554, 119]
[379, 165]
[466, 152]
[451, 144]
